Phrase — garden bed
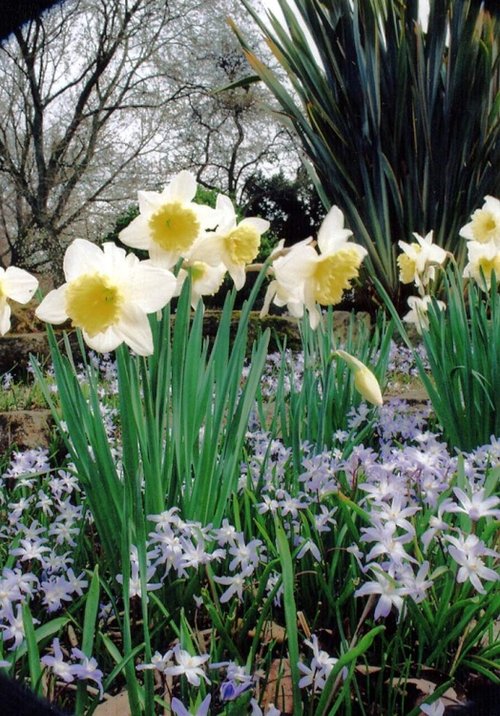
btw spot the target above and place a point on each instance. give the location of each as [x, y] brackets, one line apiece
[303, 535]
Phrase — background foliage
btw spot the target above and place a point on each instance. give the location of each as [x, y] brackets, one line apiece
[400, 125]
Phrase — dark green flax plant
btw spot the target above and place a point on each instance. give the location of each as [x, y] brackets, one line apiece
[400, 125]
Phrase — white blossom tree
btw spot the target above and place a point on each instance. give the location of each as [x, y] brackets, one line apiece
[73, 80]
[230, 128]
[101, 97]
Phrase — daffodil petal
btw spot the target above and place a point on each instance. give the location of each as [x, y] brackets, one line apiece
[159, 284]
[104, 342]
[225, 205]
[81, 255]
[351, 361]
[182, 187]
[209, 249]
[159, 256]
[5, 312]
[238, 274]
[135, 330]
[19, 285]
[270, 294]
[365, 381]
[136, 234]
[366, 384]
[114, 256]
[149, 200]
[52, 309]
[260, 225]
[332, 235]
[314, 315]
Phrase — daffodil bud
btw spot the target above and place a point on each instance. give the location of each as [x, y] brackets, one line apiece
[364, 380]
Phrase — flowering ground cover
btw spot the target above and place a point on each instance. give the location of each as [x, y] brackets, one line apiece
[382, 547]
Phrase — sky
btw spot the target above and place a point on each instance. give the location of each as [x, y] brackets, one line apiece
[273, 5]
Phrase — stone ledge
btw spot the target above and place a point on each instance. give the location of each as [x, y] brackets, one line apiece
[26, 429]
[16, 347]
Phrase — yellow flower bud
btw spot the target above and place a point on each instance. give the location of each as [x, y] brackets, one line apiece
[364, 380]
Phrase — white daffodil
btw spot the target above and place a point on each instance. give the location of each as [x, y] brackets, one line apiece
[364, 380]
[483, 260]
[484, 226]
[16, 285]
[170, 222]
[284, 289]
[232, 244]
[206, 280]
[418, 314]
[108, 294]
[418, 261]
[307, 278]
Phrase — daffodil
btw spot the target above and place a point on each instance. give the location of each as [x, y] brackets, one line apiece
[169, 222]
[108, 295]
[206, 280]
[418, 261]
[417, 316]
[306, 278]
[484, 226]
[16, 285]
[284, 289]
[233, 244]
[364, 380]
[484, 259]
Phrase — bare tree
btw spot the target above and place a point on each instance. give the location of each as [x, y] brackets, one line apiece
[101, 97]
[227, 134]
[78, 106]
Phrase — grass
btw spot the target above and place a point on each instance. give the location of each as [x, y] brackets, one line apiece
[21, 395]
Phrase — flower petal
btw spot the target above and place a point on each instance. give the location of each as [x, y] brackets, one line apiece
[5, 312]
[351, 361]
[136, 234]
[331, 234]
[81, 257]
[52, 309]
[364, 380]
[238, 274]
[149, 201]
[209, 249]
[152, 287]
[135, 330]
[225, 205]
[182, 187]
[260, 225]
[226, 215]
[103, 342]
[19, 284]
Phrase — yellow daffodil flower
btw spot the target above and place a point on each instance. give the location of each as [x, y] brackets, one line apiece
[206, 280]
[484, 259]
[108, 294]
[484, 226]
[418, 314]
[231, 244]
[418, 261]
[170, 222]
[306, 278]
